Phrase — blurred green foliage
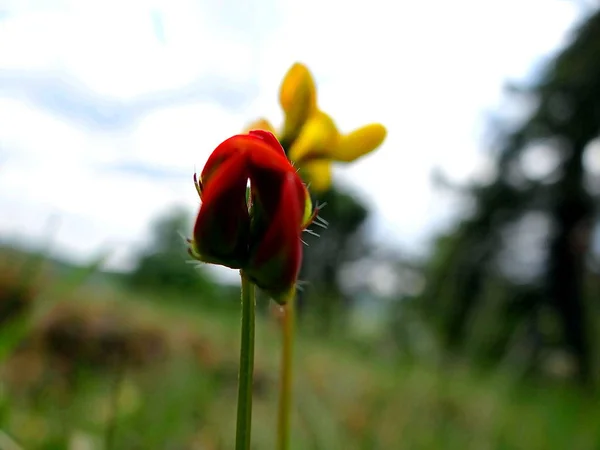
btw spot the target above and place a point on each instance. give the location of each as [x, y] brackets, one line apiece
[151, 374]
[163, 264]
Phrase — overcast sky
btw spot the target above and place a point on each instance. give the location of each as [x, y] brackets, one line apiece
[106, 108]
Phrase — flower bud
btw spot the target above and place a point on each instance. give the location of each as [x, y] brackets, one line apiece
[257, 228]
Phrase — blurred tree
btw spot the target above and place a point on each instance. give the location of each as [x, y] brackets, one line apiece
[519, 258]
[163, 263]
[343, 241]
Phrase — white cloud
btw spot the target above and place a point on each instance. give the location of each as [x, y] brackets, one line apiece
[181, 137]
[30, 134]
[425, 69]
[113, 48]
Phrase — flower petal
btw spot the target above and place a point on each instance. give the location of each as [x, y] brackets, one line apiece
[298, 98]
[275, 258]
[260, 124]
[318, 137]
[270, 139]
[318, 174]
[223, 222]
[298, 84]
[359, 142]
[257, 141]
[267, 174]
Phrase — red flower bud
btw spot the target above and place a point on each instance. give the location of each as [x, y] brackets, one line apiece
[259, 232]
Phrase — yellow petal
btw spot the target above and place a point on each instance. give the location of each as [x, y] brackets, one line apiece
[359, 142]
[297, 83]
[260, 124]
[317, 138]
[298, 98]
[318, 174]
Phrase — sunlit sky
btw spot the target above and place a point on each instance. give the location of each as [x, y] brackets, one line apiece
[108, 107]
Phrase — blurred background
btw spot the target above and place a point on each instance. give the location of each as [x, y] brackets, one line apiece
[453, 300]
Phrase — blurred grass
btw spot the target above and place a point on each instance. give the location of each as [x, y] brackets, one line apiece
[171, 371]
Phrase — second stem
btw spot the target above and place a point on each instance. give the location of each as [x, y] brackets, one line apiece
[285, 392]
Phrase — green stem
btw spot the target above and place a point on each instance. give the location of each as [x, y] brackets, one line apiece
[244, 408]
[285, 391]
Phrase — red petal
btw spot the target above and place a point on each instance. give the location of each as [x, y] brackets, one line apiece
[275, 260]
[264, 148]
[222, 153]
[222, 224]
[270, 139]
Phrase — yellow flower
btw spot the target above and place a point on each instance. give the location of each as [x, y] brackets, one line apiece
[310, 136]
